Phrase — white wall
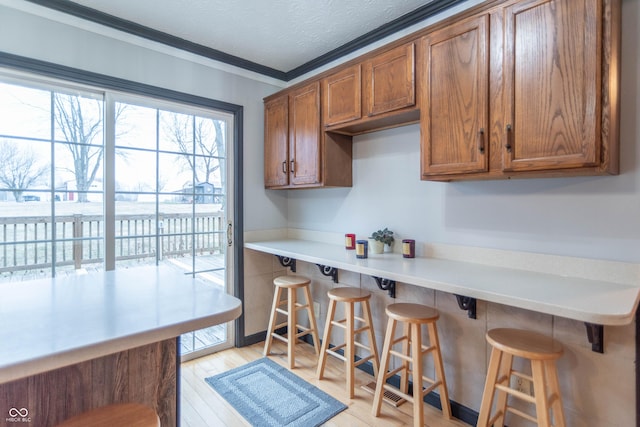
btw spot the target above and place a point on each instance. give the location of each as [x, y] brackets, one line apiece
[27, 33]
[592, 217]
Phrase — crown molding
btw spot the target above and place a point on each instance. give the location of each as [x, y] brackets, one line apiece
[424, 12]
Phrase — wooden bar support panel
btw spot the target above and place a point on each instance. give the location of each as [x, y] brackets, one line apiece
[145, 374]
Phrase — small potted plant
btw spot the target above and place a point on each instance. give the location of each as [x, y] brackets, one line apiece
[380, 238]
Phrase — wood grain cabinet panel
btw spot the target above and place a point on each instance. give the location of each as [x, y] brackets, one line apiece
[276, 142]
[552, 84]
[342, 96]
[389, 81]
[304, 135]
[454, 110]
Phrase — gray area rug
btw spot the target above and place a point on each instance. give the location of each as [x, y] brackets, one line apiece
[266, 394]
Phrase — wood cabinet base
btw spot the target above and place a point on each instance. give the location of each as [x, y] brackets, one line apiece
[146, 375]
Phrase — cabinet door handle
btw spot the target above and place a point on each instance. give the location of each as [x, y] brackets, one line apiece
[509, 145]
[481, 140]
[284, 167]
[292, 166]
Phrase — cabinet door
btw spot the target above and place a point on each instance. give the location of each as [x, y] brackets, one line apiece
[551, 84]
[389, 81]
[276, 142]
[304, 135]
[454, 104]
[342, 92]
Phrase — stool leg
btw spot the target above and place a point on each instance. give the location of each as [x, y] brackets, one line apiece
[556, 405]
[373, 347]
[540, 392]
[272, 320]
[404, 374]
[292, 329]
[487, 394]
[349, 353]
[504, 374]
[325, 339]
[437, 359]
[384, 365]
[312, 320]
[416, 355]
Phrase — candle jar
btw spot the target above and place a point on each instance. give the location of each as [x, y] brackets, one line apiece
[362, 247]
[409, 248]
[350, 241]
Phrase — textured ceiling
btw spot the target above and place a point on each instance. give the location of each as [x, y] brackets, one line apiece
[280, 34]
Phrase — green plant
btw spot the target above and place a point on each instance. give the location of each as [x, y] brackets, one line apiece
[385, 236]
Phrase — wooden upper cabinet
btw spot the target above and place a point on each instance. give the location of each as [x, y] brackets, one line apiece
[454, 105]
[342, 96]
[552, 84]
[276, 142]
[304, 135]
[389, 81]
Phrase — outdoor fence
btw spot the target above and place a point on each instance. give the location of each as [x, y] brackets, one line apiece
[27, 243]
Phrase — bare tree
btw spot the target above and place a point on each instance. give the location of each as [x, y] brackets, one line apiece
[209, 140]
[19, 169]
[80, 121]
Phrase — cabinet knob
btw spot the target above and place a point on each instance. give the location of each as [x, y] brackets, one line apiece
[292, 166]
[481, 140]
[509, 146]
[284, 167]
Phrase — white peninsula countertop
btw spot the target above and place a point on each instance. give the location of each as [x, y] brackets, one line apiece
[592, 301]
[51, 323]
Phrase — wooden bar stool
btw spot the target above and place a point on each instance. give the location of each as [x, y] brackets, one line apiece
[349, 296]
[543, 352]
[291, 284]
[413, 317]
[120, 414]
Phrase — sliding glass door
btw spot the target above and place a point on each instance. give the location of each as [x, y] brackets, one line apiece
[172, 198]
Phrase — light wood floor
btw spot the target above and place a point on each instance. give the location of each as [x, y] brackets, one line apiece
[201, 406]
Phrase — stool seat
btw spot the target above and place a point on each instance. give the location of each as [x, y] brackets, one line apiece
[526, 344]
[412, 313]
[290, 284]
[291, 281]
[348, 294]
[120, 414]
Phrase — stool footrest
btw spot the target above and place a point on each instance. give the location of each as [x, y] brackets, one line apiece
[336, 354]
[516, 393]
[280, 325]
[280, 337]
[362, 346]
[434, 385]
[401, 356]
[521, 414]
[363, 360]
[304, 331]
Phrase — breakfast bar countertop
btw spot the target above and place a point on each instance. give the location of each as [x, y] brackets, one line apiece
[592, 301]
[51, 323]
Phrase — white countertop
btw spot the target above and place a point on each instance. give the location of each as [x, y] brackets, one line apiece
[593, 301]
[50, 323]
